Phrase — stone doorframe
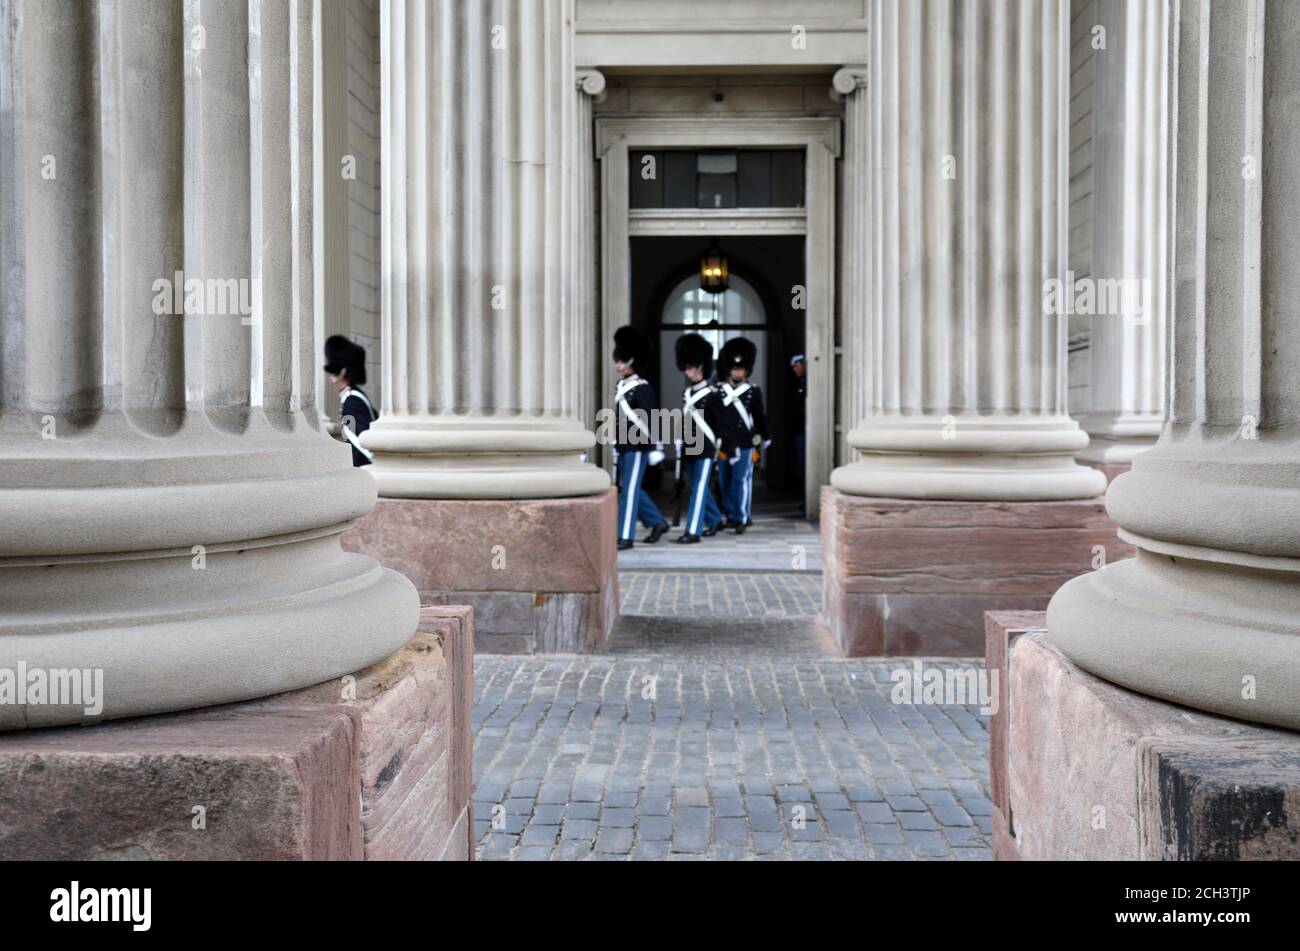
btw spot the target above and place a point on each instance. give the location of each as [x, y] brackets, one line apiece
[820, 138]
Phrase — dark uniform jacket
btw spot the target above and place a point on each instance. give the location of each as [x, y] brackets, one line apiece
[748, 433]
[798, 403]
[701, 404]
[633, 432]
[355, 415]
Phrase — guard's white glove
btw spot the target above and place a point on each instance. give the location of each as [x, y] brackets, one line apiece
[656, 456]
[766, 443]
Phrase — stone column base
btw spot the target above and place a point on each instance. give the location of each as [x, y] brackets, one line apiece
[1111, 470]
[914, 577]
[541, 575]
[375, 766]
[1090, 770]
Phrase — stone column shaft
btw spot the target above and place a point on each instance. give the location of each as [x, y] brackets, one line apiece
[965, 175]
[480, 382]
[591, 89]
[1208, 613]
[1129, 220]
[171, 507]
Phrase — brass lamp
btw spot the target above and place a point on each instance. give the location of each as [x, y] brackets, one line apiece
[714, 272]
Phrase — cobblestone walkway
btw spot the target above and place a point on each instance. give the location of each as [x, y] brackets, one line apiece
[772, 544]
[718, 594]
[772, 753]
[722, 725]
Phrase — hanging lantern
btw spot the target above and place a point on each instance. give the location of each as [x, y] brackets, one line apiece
[714, 273]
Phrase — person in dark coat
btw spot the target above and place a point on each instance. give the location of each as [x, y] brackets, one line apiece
[634, 407]
[345, 362]
[742, 405]
[798, 407]
[702, 415]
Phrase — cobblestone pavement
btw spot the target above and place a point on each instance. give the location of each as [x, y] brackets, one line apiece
[770, 544]
[773, 752]
[715, 594]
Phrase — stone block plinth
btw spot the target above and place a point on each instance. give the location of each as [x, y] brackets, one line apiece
[1089, 770]
[914, 577]
[414, 741]
[374, 765]
[541, 575]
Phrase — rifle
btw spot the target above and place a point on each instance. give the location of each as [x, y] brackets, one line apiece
[679, 487]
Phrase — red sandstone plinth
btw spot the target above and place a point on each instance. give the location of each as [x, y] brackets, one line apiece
[914, 577]
[1084, 769]
[541, 575]
[375, 765]
[414, 741]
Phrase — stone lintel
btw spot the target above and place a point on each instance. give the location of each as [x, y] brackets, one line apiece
[1090, 770]
[909, 576]
[541, 575]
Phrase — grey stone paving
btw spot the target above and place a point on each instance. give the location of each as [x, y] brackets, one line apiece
[774, 752]
[718, 594]
[685, 638]
[770, 544]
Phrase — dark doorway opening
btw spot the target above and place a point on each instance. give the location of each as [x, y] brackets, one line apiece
[764, 303]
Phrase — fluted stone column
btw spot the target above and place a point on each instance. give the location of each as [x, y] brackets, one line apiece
[1208, 613]
[171, 509]
[591, 89]
[481, 374]
[965, 183]
[1130, 251]
[849, 86]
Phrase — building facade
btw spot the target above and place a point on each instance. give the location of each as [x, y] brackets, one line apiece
[1009, 238]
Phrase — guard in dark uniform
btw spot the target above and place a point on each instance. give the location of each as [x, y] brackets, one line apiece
[742, 405]
[702, 415]
[798, 402]
[634, 404]
[345, 362]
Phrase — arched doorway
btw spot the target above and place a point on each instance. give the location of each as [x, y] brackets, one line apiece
[738, 311]
[748, 308]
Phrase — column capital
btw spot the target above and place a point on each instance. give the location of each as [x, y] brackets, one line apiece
[848, 80]
[591, 82]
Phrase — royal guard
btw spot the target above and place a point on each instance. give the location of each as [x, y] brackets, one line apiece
[742, 407]
[702, 420]
[635, 406]
[345, 362]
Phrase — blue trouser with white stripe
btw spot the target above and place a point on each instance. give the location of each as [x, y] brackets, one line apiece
[737, 482]
[703, 512]
[633, 501]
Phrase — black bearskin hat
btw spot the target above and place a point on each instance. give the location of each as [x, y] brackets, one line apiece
[694, 351]
[631, 346]
[737, 352]
[345, 358]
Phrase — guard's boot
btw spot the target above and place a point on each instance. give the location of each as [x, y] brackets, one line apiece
[656, 533]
